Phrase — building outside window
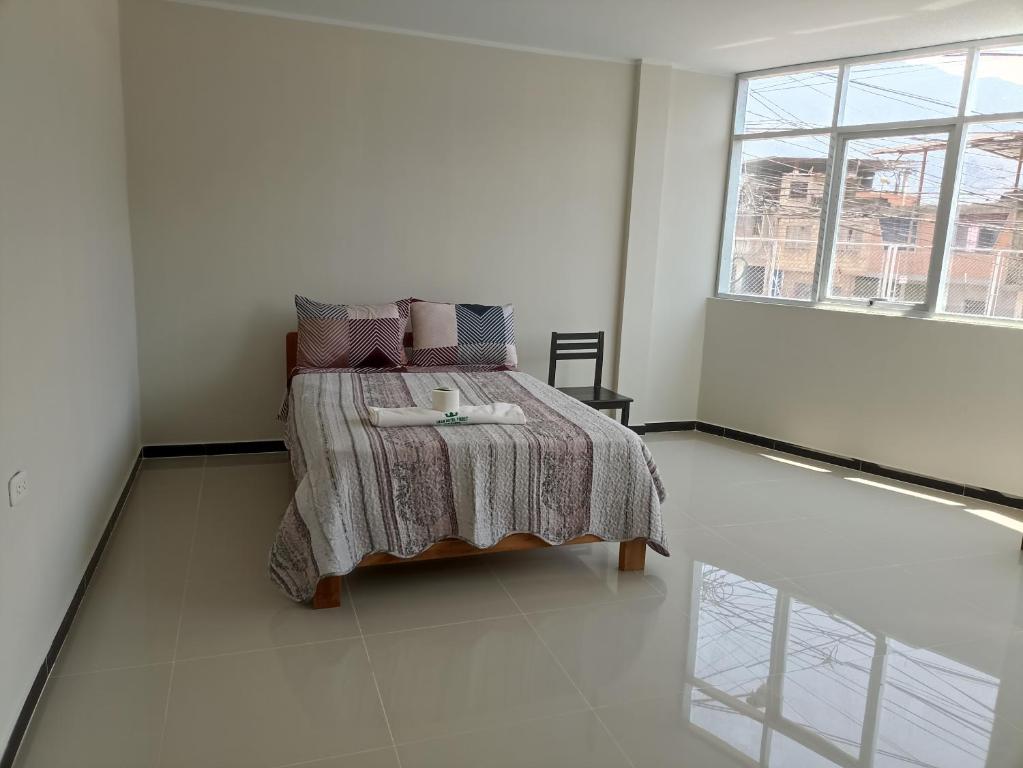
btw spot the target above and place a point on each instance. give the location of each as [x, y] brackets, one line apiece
[891, 180]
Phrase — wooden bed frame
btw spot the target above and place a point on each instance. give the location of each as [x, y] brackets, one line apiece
[631, 554]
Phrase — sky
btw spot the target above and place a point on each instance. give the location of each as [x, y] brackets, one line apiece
[889, 91]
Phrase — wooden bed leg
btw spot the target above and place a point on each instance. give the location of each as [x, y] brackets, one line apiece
[328, 593]
[632, 555]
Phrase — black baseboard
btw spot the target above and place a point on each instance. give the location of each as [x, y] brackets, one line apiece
[861, 465]
[993, 497]
[25, 716]
[671, 426]
[848, 462]
[212, 449]
[711, 429]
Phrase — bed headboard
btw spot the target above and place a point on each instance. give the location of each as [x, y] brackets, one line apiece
[291, 354]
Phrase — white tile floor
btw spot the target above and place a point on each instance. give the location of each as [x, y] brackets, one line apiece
[802, 620]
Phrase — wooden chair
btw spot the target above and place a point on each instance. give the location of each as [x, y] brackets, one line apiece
[587, 346]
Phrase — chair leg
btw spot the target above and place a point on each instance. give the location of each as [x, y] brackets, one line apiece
[632, 555]
[625, 414]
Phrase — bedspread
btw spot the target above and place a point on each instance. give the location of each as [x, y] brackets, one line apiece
[360, 489]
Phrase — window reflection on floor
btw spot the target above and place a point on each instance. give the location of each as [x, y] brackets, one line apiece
[775, 681]
[734, 631]
[737, 731]
[826, 684]
[934, 707]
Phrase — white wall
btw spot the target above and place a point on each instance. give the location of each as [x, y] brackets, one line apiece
[269, 157]
[690, 222]
[646, 188]
[68, 375]
[675, 202]
[936, 397]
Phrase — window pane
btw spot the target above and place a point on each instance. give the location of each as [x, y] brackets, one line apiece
[885, 226]
[998, 83]
[985, 267]
[905, 89]
[778, 217]
[786, 102]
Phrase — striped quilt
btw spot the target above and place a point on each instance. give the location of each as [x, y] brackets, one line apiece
[360, 489]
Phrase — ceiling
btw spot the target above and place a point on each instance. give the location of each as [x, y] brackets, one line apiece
[723, 36]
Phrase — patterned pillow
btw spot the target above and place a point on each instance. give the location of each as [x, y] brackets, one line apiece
[463, 334]
[350, 336]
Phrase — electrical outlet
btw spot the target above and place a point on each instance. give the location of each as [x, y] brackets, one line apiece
[17, 487]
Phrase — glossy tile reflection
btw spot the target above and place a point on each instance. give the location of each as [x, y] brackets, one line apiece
[776, 681]
[802, 620]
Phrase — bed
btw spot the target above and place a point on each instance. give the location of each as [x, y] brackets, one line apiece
[367, 496]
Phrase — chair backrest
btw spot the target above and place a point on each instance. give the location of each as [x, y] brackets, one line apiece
[577, 346]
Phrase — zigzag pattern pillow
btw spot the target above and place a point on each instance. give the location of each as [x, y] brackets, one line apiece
[463, 334]
[350, 336]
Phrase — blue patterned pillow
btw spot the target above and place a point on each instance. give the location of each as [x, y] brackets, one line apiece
[463, 334]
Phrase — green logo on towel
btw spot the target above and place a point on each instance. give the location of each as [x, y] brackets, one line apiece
[452, 417]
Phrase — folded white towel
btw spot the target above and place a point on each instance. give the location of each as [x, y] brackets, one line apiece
[495, 413]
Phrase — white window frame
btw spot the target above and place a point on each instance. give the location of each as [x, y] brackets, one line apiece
[957, 127]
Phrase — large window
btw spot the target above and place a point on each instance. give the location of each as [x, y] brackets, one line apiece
[889, 181]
